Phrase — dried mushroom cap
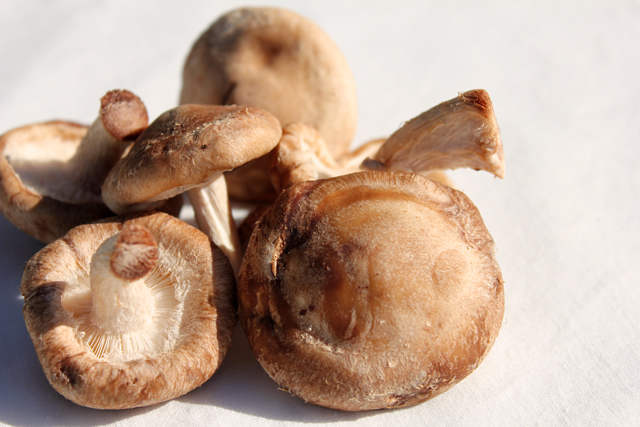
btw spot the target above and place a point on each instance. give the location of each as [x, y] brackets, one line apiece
[279, 61]
[370, 290]
[461, 132]
[187, 149]
[51, 173]
[129, 312]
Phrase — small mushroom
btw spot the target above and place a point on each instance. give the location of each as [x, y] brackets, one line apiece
[130, 311]
[279, 61]
[370, 290]
[51, 173]
[187, 149]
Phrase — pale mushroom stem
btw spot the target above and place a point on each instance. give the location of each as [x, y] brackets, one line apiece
[213, 216]
[120, 299]
[122, 117]
[461, 132]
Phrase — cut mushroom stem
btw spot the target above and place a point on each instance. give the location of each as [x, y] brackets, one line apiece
[122, 117]
[461, 132]
[213, 215]
[121, 300]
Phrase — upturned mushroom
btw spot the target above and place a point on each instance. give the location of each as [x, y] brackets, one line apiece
[51, 173]
[279, 61]
[187, 149]
[130, 311]
[374, 289]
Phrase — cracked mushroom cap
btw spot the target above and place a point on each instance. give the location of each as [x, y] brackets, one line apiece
[187, 147]
[130, 311]
[51, 173]
[279, 61]
[370, 290]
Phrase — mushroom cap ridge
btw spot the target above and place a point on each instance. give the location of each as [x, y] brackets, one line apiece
[205, 330]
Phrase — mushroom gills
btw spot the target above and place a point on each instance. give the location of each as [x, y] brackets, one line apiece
[120, 320]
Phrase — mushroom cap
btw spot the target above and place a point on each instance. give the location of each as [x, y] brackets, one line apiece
[370, 290]
[201, 286]
[35, 195]
[282, 62]
[184, 148]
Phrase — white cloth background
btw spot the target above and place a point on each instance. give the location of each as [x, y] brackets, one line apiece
[565, 81]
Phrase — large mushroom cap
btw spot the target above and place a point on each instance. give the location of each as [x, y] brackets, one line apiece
[185, 326]
[36, 192]
[370, 290]
[281, 62]
[186, 147]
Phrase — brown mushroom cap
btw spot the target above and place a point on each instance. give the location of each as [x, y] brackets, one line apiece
[279, 61]
[184, 148]
[199, 303]
[37, 201]
[370, 290]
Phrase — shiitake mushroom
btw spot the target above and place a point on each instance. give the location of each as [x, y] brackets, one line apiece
[370, 290]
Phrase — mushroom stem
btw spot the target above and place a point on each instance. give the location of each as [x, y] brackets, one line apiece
[120, 300]
[122, 117]
[461, 132]
[213, 216]
[302, 155]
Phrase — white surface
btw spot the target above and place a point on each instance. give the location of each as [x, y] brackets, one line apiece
[565, 81]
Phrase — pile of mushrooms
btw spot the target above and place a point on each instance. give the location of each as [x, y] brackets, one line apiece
[362, 279]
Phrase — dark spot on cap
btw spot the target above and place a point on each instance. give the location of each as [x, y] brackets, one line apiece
[69, 371]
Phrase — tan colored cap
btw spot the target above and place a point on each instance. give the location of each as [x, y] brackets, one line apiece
[370, 290]
[281, 62]
[184, 148]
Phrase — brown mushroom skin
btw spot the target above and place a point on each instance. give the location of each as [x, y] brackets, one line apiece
[370, 290]
[75, 372]
[182, 149]
[279, 61]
